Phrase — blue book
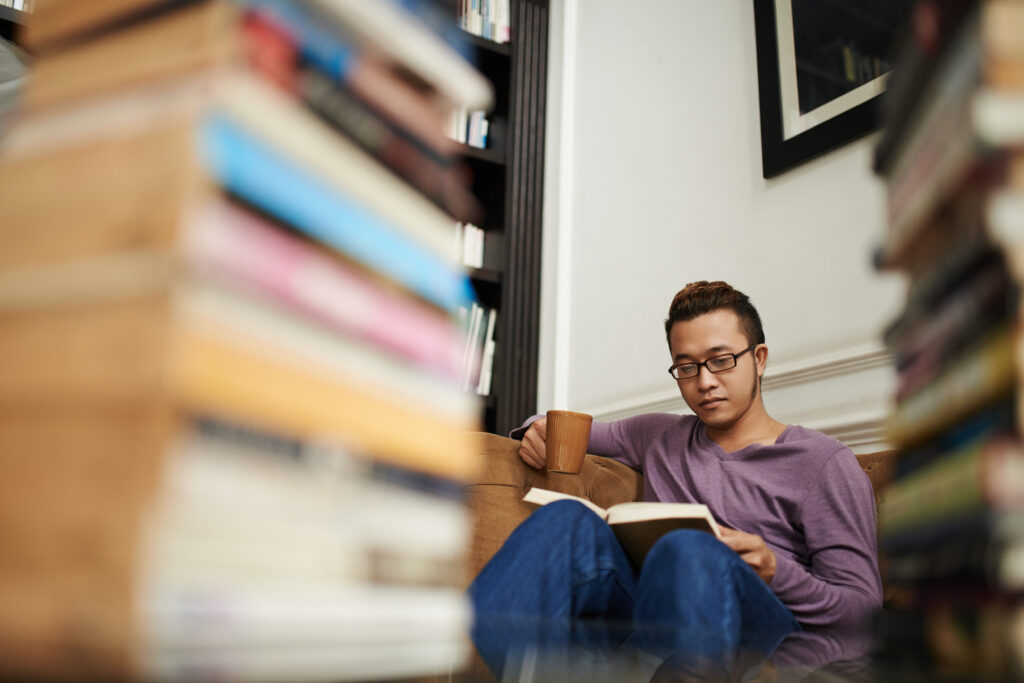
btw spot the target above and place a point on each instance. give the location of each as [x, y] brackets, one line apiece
[252, 170]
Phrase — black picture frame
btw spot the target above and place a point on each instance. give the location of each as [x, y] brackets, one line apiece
[779, 154]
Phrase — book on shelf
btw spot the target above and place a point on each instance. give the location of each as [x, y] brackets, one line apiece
[469, 244]
[468, 127]
[479, 323]
[488, 19]
[638, 525]
[483, 387]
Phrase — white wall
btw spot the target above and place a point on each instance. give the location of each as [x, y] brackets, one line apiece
[654, 180]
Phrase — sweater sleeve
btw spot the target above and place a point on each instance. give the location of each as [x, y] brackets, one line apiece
[623, 440]
[841, 589]
[628, 440]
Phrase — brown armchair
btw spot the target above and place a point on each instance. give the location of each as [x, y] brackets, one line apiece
[497, 507]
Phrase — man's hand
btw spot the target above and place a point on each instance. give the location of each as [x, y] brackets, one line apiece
[752, 550]
[532, 449]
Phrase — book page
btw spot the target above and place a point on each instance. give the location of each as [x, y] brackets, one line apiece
[625, 513]
[539, 496]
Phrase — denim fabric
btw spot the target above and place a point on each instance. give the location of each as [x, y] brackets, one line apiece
[563, 586]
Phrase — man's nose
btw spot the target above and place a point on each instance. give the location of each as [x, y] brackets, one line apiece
[705, 378]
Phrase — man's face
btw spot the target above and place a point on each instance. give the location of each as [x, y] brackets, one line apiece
[718, 399]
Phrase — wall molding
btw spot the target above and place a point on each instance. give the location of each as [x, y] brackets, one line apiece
[844, 362]
[843, 393]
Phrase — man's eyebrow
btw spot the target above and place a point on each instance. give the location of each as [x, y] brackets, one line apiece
[713, 350]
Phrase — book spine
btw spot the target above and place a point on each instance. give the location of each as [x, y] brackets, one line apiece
[394, 30]
[402, 153]
[128, 57]
[487, 364]
[957, 484]
[979, 378]
[229, 242]
[220, 376]
[248, 168]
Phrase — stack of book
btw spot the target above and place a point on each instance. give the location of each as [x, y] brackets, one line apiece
[951, 525]
[232, 431]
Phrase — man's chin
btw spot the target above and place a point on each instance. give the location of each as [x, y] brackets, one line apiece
[719, 419]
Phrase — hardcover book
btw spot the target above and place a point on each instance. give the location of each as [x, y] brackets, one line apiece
[638, 525]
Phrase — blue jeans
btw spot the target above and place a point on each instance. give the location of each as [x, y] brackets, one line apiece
[562, 584]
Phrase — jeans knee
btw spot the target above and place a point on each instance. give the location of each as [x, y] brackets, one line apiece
[566, 513]
[690, 547]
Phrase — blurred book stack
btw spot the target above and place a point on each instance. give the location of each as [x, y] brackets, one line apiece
[232, 428]
[951, 525]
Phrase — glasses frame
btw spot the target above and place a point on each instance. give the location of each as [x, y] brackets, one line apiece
[704, 364]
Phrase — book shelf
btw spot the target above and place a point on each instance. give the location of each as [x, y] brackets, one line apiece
[508, 179]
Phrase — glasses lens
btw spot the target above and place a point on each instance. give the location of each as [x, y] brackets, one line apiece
[720, 363]
[685, 371]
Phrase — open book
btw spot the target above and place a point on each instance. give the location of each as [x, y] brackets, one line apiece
[639, 525]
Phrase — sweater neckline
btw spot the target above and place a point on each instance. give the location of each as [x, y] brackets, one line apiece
[702, 435]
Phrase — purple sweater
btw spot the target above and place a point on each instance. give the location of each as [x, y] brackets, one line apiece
[805, 495]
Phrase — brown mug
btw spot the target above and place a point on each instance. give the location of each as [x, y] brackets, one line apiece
[567, 434]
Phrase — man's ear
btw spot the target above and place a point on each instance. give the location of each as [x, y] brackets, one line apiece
[761, 356]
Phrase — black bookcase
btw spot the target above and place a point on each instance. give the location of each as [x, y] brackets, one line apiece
[508, 179]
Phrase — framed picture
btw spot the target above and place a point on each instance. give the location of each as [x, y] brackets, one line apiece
[821, 66]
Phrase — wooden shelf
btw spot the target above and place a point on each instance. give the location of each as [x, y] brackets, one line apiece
[491, 156]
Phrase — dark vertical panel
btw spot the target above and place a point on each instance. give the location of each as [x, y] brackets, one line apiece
[520, 310]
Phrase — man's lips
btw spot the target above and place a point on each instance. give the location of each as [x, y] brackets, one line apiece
[711, 402]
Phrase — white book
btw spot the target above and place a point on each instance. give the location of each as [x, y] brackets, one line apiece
[396, 33]
[638, 525]
[468, 356]
[478, 246]
[483, 387]
[182, 612]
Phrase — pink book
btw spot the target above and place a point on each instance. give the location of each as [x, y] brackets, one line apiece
[227, 242]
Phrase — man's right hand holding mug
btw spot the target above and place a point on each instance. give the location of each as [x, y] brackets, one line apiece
[533, 450]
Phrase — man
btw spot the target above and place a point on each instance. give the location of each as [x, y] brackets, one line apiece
[798, 551]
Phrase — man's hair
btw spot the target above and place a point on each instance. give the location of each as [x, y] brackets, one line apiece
[698, 298]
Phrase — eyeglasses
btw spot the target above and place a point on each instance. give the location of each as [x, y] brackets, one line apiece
[721, 363]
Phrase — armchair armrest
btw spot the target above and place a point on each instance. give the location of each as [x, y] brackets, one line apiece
[495, 497]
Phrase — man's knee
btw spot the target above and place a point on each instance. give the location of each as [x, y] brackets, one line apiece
[565, 514]
[689, 547]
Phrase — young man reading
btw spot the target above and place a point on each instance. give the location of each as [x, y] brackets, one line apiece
[798, 553]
